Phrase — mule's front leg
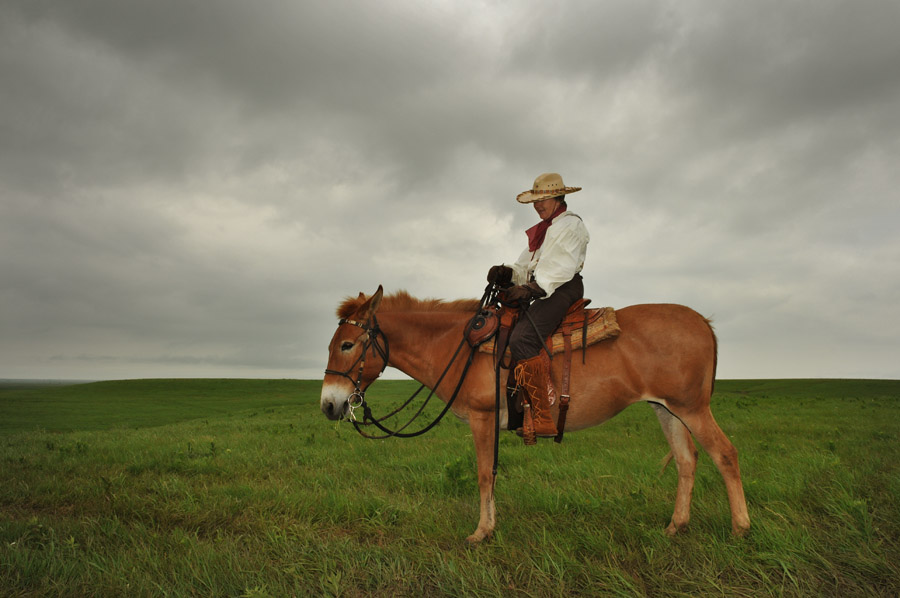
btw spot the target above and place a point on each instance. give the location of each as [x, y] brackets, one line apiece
[482, 425]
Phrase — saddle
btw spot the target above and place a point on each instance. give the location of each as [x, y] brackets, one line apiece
[594, 325]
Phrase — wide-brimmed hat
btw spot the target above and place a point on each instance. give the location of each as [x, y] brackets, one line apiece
[546, 186]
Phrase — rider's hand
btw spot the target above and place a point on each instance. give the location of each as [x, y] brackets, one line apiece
[524, 293]
[500, 275]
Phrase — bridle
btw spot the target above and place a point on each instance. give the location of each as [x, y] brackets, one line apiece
[358, 398]
[373, 334]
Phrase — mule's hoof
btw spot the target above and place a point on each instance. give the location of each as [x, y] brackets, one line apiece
[477, 538]
[740, 532]
[674, 530]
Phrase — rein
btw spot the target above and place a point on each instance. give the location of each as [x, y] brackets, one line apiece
[358, 398]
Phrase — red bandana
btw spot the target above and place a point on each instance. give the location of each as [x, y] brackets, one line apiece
[537, 232]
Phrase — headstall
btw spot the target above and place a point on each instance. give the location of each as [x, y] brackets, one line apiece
[373, 332]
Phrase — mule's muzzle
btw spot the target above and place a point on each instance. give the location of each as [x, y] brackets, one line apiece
[333, 410]
[334, 402]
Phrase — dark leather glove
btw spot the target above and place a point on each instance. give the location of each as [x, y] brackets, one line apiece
[500, 275]
[524, 293]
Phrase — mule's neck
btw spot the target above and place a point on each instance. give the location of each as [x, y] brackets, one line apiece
[422, 343]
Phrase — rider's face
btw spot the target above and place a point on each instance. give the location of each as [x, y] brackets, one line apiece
[546, 207]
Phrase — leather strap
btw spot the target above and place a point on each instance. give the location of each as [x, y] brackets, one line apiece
[508, 319]
[584, 338]
[564, 394]
[528, 433]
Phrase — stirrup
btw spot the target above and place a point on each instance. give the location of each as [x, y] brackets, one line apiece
[521, 434]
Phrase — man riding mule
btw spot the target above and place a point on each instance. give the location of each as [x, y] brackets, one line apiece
[664, 355]
[548, 272]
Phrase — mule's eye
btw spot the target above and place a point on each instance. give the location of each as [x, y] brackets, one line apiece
[346, 346]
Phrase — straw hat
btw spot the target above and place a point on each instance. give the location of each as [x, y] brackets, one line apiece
[546, 186]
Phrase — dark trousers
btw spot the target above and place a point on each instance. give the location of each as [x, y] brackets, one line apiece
[526, 339]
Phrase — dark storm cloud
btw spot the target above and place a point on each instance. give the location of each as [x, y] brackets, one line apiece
[189, 188]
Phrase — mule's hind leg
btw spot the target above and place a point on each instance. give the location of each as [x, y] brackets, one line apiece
[685, 454]
[707, 432]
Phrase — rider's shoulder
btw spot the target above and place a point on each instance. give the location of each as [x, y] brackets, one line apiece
[564, 219]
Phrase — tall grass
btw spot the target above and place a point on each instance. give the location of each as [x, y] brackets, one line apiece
[243, 488]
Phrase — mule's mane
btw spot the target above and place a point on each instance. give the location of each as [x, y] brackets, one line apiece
[401, 301]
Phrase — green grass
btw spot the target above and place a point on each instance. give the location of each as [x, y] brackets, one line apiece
[140, 403]
[243, 488]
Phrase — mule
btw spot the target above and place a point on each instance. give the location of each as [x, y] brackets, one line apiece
[665, 355]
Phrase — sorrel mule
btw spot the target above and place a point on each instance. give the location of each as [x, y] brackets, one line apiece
[665, 355]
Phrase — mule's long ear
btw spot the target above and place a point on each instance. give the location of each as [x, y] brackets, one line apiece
[375, 302]
[368, 309]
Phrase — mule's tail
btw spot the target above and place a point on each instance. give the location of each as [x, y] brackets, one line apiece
[665, 463]
[712, 385]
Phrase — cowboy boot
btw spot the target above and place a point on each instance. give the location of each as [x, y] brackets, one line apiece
[533, 375]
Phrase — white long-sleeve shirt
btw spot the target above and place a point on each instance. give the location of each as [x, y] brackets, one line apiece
[560, 257]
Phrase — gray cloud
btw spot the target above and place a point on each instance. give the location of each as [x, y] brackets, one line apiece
[190, 188]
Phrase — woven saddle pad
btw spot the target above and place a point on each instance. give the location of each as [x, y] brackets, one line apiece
[601, 325]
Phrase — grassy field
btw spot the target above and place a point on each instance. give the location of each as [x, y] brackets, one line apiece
[243, 488]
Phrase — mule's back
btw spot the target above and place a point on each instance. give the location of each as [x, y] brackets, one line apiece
[663, 351]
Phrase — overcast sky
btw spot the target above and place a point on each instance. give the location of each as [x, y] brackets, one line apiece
[188, 189]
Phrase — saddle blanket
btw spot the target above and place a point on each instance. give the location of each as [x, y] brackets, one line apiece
[601, 325]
